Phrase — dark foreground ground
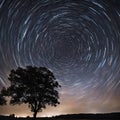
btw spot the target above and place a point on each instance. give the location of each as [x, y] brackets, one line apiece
[110, 116]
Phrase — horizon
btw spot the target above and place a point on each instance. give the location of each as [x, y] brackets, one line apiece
[44, 116]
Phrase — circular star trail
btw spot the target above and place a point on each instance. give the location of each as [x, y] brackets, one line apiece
[78, 40]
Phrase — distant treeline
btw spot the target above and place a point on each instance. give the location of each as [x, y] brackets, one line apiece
[113, 116]
[105, 116]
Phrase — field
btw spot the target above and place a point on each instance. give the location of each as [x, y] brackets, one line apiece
[110, 116]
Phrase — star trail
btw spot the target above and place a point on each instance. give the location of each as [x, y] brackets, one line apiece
[79, 41]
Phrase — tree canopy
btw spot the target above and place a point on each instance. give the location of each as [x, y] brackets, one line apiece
[2, 100]
[36, 86]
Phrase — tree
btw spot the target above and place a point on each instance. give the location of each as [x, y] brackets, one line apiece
[2, 100]
[35, 86]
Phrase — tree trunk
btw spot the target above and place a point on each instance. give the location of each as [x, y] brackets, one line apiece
[35, 115]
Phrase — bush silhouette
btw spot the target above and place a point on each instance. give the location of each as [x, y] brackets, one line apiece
[35, 86]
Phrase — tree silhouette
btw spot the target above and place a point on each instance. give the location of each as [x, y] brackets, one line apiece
[2, 100]
[35, 86]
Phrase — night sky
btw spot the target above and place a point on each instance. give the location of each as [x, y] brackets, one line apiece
[78, 40]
